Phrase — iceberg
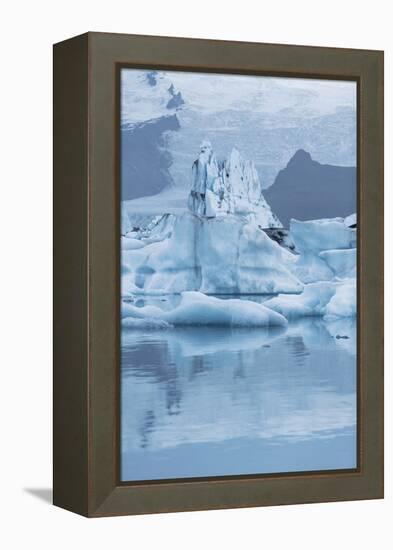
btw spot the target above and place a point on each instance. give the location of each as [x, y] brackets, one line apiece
[325, 299]
[197, 309]
[222, 255]
[225, 187]
[343, 301]
[341, 262]
[326, 248]
[317, 235]
[311, 268]
[229, 242]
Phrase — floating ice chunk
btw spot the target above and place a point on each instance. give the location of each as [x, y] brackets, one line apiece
[341, 262]
[222, 255]
[317, 235]
[145, 324]
[196, 309]
[329, 299]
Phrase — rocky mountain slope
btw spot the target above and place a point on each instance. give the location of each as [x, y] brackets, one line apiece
[306, 189]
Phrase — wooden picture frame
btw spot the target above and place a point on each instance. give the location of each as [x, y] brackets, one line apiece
[86, 274]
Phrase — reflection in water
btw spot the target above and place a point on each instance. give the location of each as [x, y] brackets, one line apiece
[202, 402]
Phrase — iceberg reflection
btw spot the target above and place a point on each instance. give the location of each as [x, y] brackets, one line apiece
[216, 401]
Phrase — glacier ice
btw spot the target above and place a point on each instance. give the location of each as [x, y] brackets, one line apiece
[326, 299]
[309, 267]
[343, 302]
[317, 235]
[228, 187]
[222, 255]
[341, 262]
[196, 308]
[326, 248]
[229, 242]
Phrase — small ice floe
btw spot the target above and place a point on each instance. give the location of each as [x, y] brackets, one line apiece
[145, 324]
[197, 309]
[326, 299]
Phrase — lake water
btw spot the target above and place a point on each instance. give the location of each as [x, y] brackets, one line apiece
[198, 402]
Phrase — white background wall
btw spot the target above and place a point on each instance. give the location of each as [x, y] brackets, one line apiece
[28, 28]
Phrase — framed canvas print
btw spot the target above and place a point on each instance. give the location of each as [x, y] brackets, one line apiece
[218, 264]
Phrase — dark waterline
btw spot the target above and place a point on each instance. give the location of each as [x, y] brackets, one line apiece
[199, 402]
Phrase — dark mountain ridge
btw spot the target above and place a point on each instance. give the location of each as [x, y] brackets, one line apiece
[306, 189]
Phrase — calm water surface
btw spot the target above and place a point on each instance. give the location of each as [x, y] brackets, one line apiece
[199, 402]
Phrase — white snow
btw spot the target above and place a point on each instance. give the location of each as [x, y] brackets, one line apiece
[328, 299]
[202, 91]
[196, 308]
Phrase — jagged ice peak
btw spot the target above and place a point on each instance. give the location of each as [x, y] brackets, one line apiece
[230, 186]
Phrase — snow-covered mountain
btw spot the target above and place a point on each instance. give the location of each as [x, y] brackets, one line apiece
[267, 118]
